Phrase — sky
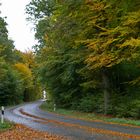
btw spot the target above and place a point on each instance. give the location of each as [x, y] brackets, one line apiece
[19, 29]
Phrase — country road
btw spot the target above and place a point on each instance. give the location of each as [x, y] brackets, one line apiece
[74, 129]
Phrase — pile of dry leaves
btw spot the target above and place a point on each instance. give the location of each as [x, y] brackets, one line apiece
[20, 132]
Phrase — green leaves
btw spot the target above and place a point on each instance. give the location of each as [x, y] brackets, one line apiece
[17, 82]
[10, 87]
[85, 49]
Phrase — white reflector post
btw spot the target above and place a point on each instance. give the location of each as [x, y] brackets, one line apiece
[54, 107]
[2, 114]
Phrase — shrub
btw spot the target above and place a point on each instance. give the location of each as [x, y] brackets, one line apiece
[88, 104]
[129, 108]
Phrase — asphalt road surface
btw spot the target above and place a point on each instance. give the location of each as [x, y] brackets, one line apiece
[74, 129]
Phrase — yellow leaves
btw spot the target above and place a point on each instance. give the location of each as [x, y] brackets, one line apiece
[92, 44]
[95, 6]
[111, 46]
[106, 44]
[135, 81]
[46, 38]
[133, 43]
[132, 19]
[25, 73]
[23, 69]
[29, 59]
[101, 60]
[106, 60]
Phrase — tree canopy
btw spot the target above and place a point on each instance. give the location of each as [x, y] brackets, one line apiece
[87, 56]
[17, 83]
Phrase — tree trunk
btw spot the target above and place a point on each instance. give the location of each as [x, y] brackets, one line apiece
[106, 91]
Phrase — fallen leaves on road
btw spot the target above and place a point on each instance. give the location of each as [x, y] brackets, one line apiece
[89, 129]
[20, 132]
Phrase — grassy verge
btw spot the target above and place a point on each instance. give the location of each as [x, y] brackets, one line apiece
[89, 116]
[5, 126]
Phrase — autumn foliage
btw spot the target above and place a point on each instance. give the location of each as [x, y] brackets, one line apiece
[17, 80]
[88, 54]
[20, 132]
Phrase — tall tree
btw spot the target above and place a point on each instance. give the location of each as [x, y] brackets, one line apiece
[86, 47]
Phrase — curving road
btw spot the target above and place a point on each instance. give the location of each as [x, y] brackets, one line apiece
[74, 129]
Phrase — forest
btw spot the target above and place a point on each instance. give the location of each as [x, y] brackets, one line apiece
[18, 82]
[87, 57]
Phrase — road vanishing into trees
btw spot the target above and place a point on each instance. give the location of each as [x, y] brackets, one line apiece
[30, 115]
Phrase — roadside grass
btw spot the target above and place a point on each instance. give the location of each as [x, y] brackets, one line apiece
[89, 116]
[5, 126]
